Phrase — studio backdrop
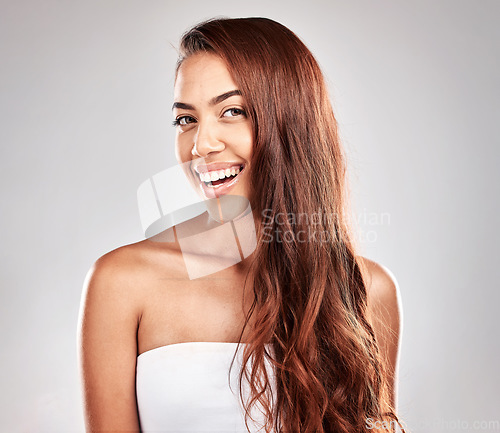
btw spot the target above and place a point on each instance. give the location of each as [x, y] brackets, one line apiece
[86, 95]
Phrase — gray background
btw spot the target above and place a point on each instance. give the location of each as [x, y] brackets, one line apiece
[86, 90]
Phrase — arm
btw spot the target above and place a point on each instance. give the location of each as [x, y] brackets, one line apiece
[385, 312]
[107, 329]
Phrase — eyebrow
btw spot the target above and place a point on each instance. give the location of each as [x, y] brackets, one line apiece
[214, 101]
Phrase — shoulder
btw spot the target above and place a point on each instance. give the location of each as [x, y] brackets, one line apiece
[121, 277]
[115, 271]
[381, 286]
[110, 313]
[109, 284]
[115, 292]
[124, 266]
[384, 303]
[386, 316]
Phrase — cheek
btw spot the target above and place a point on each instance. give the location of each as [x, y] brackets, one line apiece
[182, 150]
[247, 150]
[243, 141]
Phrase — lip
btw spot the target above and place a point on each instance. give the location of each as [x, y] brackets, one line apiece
[222, 189]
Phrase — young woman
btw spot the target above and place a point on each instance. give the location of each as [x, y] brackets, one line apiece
[319, 325]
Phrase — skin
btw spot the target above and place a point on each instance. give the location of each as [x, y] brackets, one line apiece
[386, 313]
[217, 133]
[139, 297]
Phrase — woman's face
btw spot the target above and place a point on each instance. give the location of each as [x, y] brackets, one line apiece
[213, 132]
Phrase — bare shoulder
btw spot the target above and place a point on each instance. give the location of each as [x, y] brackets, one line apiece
[122, 280]
[112, 276]
[118, 285]
[113, 297]
[384, 300]
[385, 313]
[381, 285]
[126, 271]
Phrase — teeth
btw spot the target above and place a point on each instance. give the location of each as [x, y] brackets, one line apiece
[221, 174]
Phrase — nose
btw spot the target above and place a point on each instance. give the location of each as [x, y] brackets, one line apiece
[206, 141]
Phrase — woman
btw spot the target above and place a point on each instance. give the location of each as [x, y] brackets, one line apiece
[319, 325]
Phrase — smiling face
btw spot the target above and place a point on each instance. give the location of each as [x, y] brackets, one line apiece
[213, 131]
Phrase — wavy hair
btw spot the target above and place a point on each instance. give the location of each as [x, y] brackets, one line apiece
[310, 299]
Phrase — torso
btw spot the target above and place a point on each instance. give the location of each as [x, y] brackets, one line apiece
[175, 309]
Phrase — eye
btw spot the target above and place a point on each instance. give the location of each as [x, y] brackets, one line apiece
[234, 112]
[183, 120]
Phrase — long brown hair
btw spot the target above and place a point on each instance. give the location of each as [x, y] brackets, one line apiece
[310, 299]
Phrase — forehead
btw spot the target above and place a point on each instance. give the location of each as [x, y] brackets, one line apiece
[202, 76]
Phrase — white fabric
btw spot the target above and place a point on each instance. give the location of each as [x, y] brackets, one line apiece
[184, 388]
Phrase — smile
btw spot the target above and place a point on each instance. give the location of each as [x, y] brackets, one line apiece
[218, 178]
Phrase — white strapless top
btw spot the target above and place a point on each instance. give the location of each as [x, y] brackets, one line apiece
[184, 387]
